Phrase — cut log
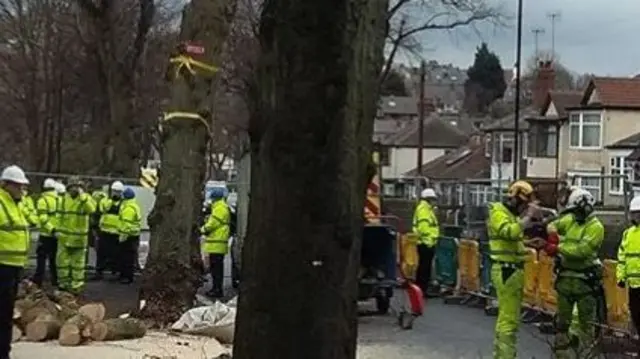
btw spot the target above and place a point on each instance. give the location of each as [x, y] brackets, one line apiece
[66, 299]
[118, 329]
[72, 330]
[45, 327]
[25, 288]
[31, 314]
[93, 311]
[16, 334]
[20, 306]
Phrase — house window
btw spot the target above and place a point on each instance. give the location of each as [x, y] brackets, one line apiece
[503, 148]
[480, 194]
[543, 141]
[385, 156]
[585, 129]
[619, 167]
[592, 182]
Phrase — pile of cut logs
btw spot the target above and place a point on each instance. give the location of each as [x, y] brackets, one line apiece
[40, 316]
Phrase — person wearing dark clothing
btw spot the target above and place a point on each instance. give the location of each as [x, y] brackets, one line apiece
[107, 248]
[47, 206]
[216, 240]
[14, 243]
[130, 219]
[426, 226]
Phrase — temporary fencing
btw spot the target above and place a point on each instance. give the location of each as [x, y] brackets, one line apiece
[547, 296]
[469, 279]
[530, 295]
[447, 261]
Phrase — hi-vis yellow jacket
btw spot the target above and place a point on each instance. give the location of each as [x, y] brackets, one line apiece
[73, 220]
[216, 230]
[47, 206]
[14, 232]
[506, 235]
[628, 269]
[28, 208]
[580, 245]
[425, 224]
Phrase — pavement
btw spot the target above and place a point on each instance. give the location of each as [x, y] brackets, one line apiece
[443, 332]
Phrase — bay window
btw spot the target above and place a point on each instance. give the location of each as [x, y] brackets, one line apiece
[619, 166]
[503, 148]
[543, 140]
[585, 130]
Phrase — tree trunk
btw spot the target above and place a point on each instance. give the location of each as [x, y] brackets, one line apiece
[172, 274]
[310, 133]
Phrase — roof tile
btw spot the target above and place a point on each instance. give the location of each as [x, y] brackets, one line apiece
[615, 91]
[466, 162]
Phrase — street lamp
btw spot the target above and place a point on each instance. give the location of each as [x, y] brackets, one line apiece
[516, 127]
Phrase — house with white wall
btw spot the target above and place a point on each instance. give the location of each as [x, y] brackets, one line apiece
[596, 139]
[399, 151]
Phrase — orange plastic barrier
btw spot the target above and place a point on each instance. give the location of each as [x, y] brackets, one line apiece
[547, 299]
[469, 265]
[409, 255]
[617, 298]
[531, 267]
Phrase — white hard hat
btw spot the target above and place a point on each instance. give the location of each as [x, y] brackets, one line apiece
[428, 193]
[117, 186]
[61, 188]
[14, 174]
[49, 183]
[580, 197]
[634, 206]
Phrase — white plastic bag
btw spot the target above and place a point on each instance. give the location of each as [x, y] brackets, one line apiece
[216, 321]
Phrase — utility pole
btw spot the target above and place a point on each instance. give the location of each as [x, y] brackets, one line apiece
[516, 127]
[554, 16]
[537, 31]
[423, 76]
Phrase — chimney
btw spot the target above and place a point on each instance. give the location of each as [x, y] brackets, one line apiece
[543, 82]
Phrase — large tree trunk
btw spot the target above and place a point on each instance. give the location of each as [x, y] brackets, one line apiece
[172, 274]
[311, 141]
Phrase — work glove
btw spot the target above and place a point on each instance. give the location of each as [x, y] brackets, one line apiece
[621, 284]
[551, 249]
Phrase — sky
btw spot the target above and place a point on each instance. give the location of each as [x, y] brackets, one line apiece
[592, 36]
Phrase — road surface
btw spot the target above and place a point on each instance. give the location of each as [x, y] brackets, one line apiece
[444, 332]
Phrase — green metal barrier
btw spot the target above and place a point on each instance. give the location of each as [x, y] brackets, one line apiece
[447, 261]
[452, 231]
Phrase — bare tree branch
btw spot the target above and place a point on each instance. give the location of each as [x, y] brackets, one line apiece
[407, 18]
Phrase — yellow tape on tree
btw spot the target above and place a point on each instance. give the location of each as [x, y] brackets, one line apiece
[191, 65]
[189, 115]
[194, 67]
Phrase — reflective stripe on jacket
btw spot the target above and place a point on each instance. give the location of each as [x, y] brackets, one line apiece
[628, 268]
[73, 220]
[580, 245]
[130, 218]
[28, 208]
[216, 229]
[109, 213]
[14, 232]
[47, 206]
[506, 235]
[425, 224]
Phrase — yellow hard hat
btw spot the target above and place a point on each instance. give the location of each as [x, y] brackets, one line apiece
[521, 189]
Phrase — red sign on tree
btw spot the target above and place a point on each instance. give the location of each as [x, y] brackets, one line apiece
[193, 49]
